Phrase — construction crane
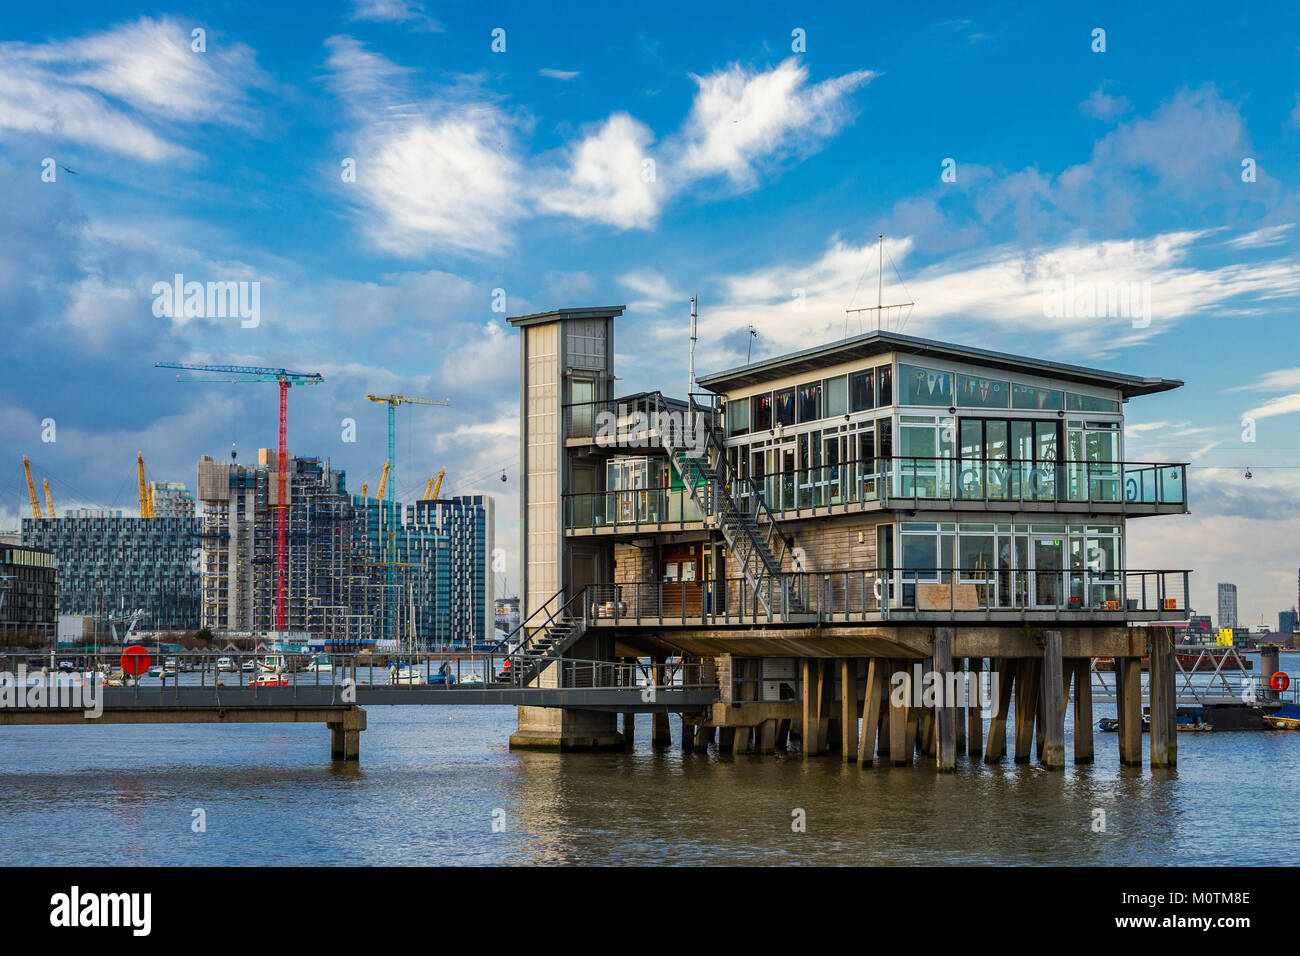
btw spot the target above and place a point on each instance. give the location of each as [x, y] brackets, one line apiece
[49, 502]
[286, 378]
[31, 489]
[392, 401]
[383, 483]
[146, 502]
[390, 470]
[432, 487]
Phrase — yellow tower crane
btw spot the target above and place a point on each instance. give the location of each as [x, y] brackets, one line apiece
[431, 487]
[49, 502]
[146, 505]
[383, 483]
[31, 489]
[364, 488]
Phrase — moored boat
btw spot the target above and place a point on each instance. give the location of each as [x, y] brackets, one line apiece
[1285, 718]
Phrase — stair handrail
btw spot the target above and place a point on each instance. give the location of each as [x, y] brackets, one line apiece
[504, 643]
[730, 477]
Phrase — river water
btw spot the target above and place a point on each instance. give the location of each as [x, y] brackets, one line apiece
[437, 785]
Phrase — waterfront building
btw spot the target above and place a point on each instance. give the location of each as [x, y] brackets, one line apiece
[328, 580]
[807, 524]
[432, 567]
[1228, 605]
[1286, 622]
[107, 560]
[29, 597]
[171, 499]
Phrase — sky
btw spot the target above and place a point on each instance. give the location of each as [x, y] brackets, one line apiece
[397, 178]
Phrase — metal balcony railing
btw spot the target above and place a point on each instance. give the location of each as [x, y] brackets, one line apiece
[630, 421]
[882, 593]
[1126, 487]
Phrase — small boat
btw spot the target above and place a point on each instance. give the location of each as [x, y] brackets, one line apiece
[225, 664]
[67, 666]
[248, 667]
[1111, 724]
[471, 680]
[405, 674]
[269, 680]
[1285, 718]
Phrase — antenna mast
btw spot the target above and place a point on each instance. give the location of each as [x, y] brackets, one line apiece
[880, 307]
[690, 386]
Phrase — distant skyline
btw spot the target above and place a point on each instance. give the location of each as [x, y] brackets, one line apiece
[398, 178]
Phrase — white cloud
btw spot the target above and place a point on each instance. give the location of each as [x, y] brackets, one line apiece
[113, 89]
[743, 118]
[438, 173]
[998, 291]
[610, 178]
[1101, 105]
[559, 74]
[1268, 236]
[395, 11]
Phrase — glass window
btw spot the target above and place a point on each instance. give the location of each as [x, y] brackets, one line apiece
[1088, 403]
[810, 402]
[836, 395]
[924, 386]
[973, 392]
[784, 410]
[884, 385]
[885, 429]
[861, 391]
[737, 417]
[761, 411]
[1031, 396]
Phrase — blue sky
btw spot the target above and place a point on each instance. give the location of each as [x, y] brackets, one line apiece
[525, 171]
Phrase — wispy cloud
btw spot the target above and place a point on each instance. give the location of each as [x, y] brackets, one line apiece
[395, 11]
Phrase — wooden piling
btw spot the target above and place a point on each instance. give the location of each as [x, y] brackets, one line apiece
[703, 737]
[1053, 702]
[945, 731]
[871, 710]
[1083, 751]
[996, 748]
[726, 739]
[849, 709]
[766, 734]
[688, 737]
[900, 748]
[783, 734]
[629, 730]
[1026, 707]
[975, 708]
[740, 741]
[1162, 688]
[808, 725]
[825, 702]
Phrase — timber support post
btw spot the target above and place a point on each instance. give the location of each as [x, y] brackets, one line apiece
[945, 729]
[1053, 702]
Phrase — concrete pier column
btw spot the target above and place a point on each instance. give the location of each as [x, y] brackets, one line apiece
[975, 707]
[740, 740]
[767, 737]
[1128, 681]
[945, 729]
[783, 733]
[1053, 702]
[910, 731]
[345, 734]
[726, 739]
[1083, 750]
[849, 709]
[996, 748]
[1164, 720]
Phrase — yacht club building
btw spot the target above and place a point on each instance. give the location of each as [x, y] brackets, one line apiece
[807, 524]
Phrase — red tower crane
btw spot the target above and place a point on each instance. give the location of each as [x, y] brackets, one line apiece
[285, 378]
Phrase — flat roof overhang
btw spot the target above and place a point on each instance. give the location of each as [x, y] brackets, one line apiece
[556, 315]
[874, 343]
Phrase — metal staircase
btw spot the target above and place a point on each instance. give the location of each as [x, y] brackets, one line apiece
[750, 530]
[554, 629]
